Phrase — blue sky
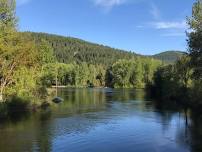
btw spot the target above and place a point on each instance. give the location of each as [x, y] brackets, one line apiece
[142, 26]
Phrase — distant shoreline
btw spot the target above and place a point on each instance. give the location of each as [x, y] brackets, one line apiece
[62, 86]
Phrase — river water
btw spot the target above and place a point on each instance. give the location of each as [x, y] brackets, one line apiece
[103, 120]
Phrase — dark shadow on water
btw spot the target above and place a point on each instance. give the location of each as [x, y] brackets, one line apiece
[16, 110]
[190, 135]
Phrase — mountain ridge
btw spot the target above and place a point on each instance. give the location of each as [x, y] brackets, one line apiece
[69, 49]
[169, 56]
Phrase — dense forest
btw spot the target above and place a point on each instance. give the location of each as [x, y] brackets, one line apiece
[69, 50]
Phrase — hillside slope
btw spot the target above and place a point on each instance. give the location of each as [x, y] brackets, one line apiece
[169, 56]
[68, 50]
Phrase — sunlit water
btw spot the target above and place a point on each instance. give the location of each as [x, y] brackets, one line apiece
[103, 120]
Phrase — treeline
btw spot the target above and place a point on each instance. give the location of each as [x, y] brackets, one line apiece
[182, 82]
[133, 73]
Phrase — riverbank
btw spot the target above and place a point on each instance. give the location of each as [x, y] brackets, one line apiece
[18, 105]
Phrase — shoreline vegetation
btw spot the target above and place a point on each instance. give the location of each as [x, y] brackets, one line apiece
[30, 65]
[182, 81]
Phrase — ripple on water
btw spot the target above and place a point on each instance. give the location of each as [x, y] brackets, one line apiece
[99, 120]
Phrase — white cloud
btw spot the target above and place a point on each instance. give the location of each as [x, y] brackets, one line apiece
[140, 26]
[168, 29]
[165, 25]
[22, 2]
[169, 25]
[174, 34]
[108, 4]
[155, 12]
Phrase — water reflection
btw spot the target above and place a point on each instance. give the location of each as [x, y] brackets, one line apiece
[103, 120]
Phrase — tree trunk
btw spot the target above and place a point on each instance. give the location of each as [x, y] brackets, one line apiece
[1, 96]
[1, 91]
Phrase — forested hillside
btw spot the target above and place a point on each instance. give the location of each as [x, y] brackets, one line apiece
[169, 56]
[68, 50]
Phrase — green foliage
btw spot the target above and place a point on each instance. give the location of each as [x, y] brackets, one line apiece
[134, 73]
[15, 50]
[173, 82]
[46, 54]
[196, 93]
[21, 60]
[69, 50]
[7, 16]
[182, 81]
[24, 81]
[20, 63]
[195, 22]
[121, 72]
[165, 85]
[195, 49]
[66, 74]
[183, 71]
[195, 39]
[109, 77]
[73, 74]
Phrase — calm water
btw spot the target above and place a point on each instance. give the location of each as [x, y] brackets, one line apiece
[103, 120]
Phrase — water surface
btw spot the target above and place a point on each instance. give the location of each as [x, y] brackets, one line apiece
[103, 120]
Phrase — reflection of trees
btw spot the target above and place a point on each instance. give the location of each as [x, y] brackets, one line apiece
[164, 112]
[43, 133]
[165, 117]
[84, 100]
[37, 131]
[26, 132]
[83, 109]
[81, 100]
[17, 134]
[189, 131]
[191, 134]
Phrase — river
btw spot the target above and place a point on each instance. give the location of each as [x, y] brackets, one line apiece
[103, 120]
